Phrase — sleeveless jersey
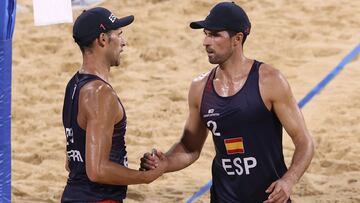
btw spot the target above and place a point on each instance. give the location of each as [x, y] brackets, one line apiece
[248, 142]
[79, 188]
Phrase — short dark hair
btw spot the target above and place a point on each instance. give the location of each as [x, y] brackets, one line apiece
[84, 47]
[232, 33]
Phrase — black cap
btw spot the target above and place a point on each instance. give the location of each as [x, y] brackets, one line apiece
[91, 23]
[225, 16]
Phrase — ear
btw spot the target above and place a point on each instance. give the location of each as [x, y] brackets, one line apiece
[102, 39]
[238, 38]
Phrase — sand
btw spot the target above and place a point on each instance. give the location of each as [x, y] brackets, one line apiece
[304, 39]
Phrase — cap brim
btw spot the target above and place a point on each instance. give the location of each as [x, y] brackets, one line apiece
[205, 24]
[122, 22]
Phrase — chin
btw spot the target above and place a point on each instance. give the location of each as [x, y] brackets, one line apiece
[212, 61]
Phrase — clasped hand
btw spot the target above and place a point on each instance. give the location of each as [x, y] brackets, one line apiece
[152, 160]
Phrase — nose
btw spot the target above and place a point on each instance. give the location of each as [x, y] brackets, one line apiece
[206, 41]
[122, 41]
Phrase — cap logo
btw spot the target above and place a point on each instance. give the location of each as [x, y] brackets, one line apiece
[102, 26]
[112, 18]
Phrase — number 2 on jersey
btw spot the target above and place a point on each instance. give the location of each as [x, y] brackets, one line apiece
[213, 126]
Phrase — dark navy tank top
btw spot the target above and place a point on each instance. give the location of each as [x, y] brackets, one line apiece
[79, 188]
[248, 142]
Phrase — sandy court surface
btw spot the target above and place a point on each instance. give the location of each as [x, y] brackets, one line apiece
[304, 39]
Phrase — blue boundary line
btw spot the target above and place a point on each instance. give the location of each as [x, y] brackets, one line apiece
[301, 104]
[330, 76]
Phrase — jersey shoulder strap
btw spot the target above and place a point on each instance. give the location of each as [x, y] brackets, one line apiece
[71, 93]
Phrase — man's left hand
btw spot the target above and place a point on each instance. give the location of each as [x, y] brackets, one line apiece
[280, 191]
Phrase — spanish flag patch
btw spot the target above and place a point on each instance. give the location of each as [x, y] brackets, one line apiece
[234, 145]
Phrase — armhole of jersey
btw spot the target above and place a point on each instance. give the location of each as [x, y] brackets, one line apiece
[79, 83]
[259, 91]
[69, 100]
[208, 80]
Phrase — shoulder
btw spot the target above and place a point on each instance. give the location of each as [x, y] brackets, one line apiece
[98, 102]
[273, 81]
[269, 73]
[197, 87]
[200, 81]
[97, 87]
[97, 91]
[271, 76]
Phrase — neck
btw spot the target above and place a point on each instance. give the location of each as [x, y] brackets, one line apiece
[235, 67]
[95, 65]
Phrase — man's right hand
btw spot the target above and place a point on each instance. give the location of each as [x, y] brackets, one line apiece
[151, 160]
[153, 165]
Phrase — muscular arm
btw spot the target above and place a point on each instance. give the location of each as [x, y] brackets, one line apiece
[188, 149]
[276, 90]
[290, 116]
[101, 111]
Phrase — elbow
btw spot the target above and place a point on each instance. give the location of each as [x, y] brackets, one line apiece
[193, 156]
[307, 146]
[94, 176]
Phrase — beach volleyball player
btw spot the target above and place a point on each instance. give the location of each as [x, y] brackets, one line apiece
[245, 104]
[94, 117]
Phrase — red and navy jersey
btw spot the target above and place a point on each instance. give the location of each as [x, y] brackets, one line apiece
[248, 142]
[79, 188]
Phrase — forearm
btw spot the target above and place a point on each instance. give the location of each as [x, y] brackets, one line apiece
[178, 157]
[115, 174]
[304, 151]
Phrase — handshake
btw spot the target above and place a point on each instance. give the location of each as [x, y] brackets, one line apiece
[156, 161]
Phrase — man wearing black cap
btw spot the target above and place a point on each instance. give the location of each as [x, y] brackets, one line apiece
[94, 118]
[244, 103]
